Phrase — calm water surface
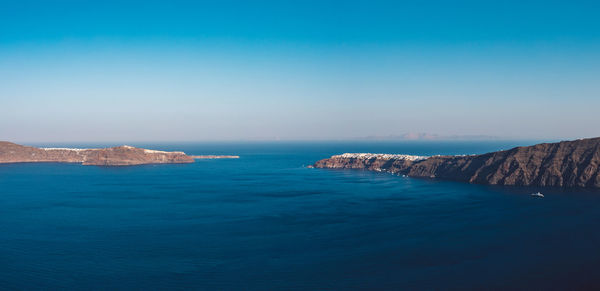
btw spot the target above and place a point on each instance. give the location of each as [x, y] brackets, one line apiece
[265, 222]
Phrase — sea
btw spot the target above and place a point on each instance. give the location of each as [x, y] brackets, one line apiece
[267, 222]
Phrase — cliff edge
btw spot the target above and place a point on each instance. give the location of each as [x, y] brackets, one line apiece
[562, 164]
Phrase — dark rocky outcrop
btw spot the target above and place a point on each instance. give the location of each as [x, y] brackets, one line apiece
[563, 164]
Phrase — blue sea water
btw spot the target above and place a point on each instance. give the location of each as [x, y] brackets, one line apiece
[266, 222]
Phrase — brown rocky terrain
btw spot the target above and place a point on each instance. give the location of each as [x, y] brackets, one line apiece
[563, 164]
[115, 156]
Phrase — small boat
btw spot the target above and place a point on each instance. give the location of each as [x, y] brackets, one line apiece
[538, 194]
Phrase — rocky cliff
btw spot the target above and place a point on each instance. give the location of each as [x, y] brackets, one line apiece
[115, 156]
[563, 164]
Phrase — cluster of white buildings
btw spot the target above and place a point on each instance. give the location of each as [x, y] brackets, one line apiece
[367, 156]
[63, 149]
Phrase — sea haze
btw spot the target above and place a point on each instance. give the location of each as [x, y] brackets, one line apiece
[266, 222]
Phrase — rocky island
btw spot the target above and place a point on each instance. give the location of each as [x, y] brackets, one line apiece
[562, 164]
[115, 156]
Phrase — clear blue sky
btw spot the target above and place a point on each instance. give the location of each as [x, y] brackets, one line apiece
[248, 70]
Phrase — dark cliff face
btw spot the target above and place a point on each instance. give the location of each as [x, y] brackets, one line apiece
[564, 164]
[371, 164]
[116, 156]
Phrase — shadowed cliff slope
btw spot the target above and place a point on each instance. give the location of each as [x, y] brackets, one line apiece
[563, 164]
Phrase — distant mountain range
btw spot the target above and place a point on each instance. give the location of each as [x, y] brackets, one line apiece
[427, 136]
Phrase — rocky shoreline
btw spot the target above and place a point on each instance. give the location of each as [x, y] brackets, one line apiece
[563, 164]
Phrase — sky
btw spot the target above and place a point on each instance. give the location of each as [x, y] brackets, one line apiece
[75, 71]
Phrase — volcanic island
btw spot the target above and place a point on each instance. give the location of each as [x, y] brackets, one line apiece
[114, 156]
